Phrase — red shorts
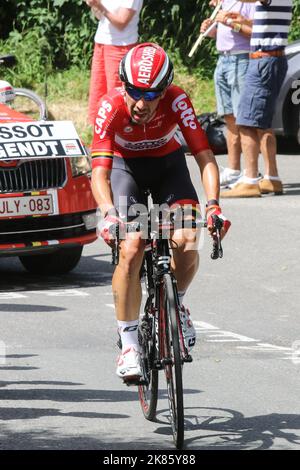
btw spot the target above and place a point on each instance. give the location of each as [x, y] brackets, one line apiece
[104, 73]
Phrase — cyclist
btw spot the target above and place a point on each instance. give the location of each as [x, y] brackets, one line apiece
[135, 147]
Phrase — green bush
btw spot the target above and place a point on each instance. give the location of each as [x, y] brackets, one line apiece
[59, 33]
[295, 30]
[56, 34]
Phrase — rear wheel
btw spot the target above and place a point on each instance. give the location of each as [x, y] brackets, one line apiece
[172, 358]
[60, 261]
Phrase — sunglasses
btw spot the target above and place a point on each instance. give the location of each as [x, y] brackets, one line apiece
[136, 94]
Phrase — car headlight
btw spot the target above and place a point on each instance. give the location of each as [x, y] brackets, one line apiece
[80, 165]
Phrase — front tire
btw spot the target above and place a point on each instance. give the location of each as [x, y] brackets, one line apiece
[148, 393]
[60, 261]
[172, 359]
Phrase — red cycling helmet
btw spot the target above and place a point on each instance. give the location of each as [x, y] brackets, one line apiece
[147, 67]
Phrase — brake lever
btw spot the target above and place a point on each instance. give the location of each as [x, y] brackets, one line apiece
[217, 251]
[115, 231]
[115, 249]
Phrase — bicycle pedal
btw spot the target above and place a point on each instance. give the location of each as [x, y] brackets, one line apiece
[188, 358]
[158, 365]
[135, 380]
[166, 362]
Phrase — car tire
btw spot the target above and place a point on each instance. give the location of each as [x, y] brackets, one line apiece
[61, 261]
[298, 127]
[295, 114]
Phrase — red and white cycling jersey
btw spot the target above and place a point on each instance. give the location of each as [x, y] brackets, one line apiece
[116, 135]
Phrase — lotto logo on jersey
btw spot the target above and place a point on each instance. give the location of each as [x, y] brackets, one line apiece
[187, 115]
[103, 112]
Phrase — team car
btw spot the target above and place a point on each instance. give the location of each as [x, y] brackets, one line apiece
[47, 210]
[286, 121]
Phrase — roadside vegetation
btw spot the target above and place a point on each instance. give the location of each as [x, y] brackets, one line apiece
[53, 41]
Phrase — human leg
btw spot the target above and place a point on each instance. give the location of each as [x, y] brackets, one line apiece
[112, 58]
[126, 278]
[268, 149]
[248, 116]
[126, 284]
[185, 263]
[247, 185]
[232, 172]
[233, 143]
[178, 195]
[237, 70]
[271, 182]
[229, 82]
[273, 73]
[97, 82]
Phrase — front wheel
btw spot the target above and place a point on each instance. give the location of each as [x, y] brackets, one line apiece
[60, 261]
[148, 392]
[172, 361]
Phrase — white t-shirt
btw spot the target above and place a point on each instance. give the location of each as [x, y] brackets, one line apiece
[108, 34]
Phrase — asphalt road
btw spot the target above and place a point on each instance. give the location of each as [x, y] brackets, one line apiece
[58, 388]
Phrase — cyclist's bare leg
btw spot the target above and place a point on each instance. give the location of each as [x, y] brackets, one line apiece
[185, 260]
[126, 283]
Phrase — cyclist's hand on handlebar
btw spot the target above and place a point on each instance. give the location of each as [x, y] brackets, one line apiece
[216, 210]
[107, 228]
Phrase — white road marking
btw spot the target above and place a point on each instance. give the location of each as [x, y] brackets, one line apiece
[11, 295]
[61, 293]
[50, 293]
[110, 305]
[215, 334]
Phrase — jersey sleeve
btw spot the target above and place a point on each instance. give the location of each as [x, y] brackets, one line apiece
[187, 120]
[102, 150]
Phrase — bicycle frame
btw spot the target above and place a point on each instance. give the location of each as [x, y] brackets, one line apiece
[157, 263]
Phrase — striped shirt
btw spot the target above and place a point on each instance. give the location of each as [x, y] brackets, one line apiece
[271, 25]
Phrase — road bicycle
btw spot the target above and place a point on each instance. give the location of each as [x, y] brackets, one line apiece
[25, 101]
[160, 331]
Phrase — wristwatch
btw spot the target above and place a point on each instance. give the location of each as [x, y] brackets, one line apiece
[212, 203]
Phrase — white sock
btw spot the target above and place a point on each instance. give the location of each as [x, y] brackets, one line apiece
[250, 180]
[180, 296]
[128, 331]
[232, 172]
[274, 178]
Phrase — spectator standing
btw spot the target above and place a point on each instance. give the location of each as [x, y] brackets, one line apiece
[232, 35]
[116, 34]
[265, 75]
